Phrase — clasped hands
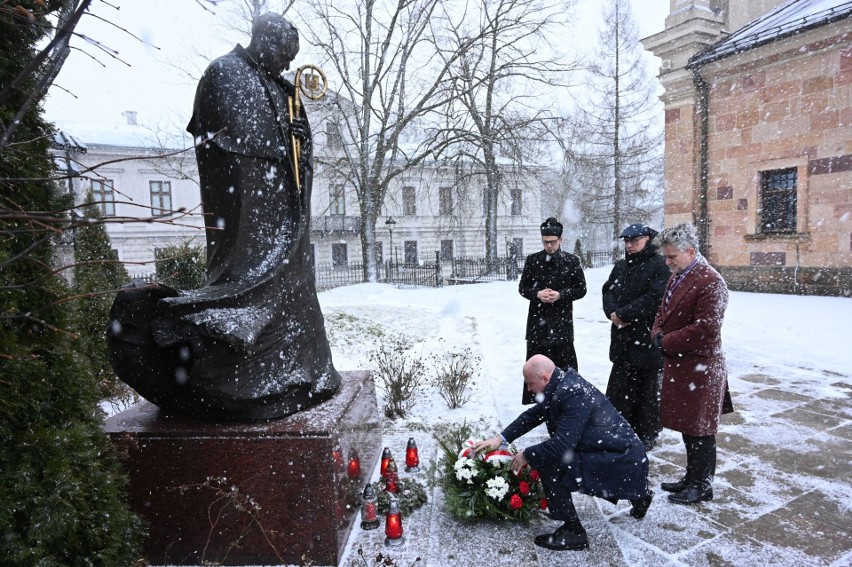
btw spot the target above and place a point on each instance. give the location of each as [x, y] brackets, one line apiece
[548, 295]
[519, 461]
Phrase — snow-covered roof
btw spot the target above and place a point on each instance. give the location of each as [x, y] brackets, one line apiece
[124, 135]
[64, 141]
[787, 19]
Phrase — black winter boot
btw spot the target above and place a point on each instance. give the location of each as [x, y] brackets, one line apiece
[566, 537]
[640, 506]
[694, 493]
[675, 486]
[700, 469]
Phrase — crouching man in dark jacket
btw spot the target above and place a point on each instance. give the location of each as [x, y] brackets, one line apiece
[591, 449]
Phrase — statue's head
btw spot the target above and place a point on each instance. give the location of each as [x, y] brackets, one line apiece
[274, 42]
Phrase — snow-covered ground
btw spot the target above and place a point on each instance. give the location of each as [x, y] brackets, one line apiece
[783, 496]
[804, 339]
[782, 351]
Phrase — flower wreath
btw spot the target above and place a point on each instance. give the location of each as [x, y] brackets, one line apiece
[410, 496]
[478, 485]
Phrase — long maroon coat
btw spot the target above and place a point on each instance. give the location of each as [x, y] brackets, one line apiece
[694, 371]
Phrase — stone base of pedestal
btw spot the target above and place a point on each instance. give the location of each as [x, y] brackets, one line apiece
[262, 493]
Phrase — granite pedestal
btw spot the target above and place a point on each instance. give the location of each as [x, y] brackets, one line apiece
[262, 493]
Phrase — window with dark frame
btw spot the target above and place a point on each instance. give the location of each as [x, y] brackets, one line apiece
[409, 205]
[517, 202]
[445, 200]
[380, 253]
[333, 138]
[161, 197]
[339, 255]
[336, 200]
[410, 252]
[778, 199]
[103, 195]
[446, 250]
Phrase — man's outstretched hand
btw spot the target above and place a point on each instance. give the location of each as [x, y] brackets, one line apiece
[491, 444]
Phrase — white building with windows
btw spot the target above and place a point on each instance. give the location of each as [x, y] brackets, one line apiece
[137, 174]
[151, 201]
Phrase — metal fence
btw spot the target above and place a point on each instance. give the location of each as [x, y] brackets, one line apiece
[475, 270]
[597, 259]
[329, 276]
[423, 274]
[463, 271]
[431, 274]
[414, 275]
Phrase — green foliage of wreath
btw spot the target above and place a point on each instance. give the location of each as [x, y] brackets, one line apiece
[467, 492]
[411, 495]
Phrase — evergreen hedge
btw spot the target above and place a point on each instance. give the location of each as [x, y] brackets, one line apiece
[60, 487]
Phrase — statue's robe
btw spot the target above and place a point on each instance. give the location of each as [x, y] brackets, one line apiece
[251, 343]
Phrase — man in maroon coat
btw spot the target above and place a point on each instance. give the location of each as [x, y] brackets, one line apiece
[687, 329]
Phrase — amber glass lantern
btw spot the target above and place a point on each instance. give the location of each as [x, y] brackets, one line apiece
[392, 478]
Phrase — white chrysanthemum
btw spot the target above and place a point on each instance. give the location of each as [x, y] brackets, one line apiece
[465, 469]
[497, 488]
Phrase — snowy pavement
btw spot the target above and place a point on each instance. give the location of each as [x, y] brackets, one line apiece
[782, 491]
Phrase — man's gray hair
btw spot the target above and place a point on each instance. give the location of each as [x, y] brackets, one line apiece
[680, 236]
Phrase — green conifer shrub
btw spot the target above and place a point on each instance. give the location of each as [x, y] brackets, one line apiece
[61, 493]
[181, 266]
[97, 276]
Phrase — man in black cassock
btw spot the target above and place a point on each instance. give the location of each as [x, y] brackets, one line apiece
[552, 280]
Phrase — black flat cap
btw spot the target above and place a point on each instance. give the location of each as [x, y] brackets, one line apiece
[637, 229]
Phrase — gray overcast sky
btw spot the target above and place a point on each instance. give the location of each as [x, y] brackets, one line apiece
[162, 96]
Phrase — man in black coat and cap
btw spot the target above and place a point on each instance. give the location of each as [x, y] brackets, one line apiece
[631, 297]
[591, 450]
[552, 280]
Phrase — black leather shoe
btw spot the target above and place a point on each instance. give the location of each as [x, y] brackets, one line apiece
[563, 539]
[675, 486]
[693, 494]
[640, 506]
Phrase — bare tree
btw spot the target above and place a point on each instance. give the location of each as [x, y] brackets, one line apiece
[240, 14]
[392, 75]
[499, 115]
[614, 148]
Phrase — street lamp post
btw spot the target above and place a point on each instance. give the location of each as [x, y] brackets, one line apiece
[390, 224]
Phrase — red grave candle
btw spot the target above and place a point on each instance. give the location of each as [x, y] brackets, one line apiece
[393, 525]
[412, 459]
[353, 468]
[386, 458]
[369, 509]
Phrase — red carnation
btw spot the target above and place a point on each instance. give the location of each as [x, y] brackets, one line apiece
[524, 487]
[515, 502]
[543, 504]
[534, 475]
